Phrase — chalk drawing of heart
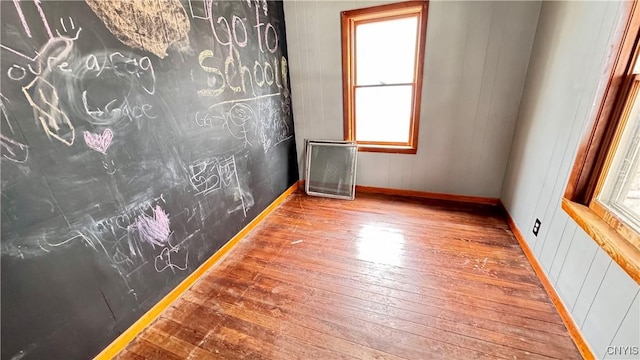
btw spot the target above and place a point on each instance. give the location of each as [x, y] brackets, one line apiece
[154, 231]
[99, 142]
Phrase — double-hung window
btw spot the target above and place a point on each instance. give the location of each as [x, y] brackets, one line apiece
[382, 60]
[603, 194]
[616, 197]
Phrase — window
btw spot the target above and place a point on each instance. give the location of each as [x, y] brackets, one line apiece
[382, 57]
[603, 194]
[617, 195]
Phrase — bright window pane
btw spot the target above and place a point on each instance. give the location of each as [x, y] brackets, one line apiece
[622, 187]
[385, 51]
[627, 189]
[383, 113]
[631, 197]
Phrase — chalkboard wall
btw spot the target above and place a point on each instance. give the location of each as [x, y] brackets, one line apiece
[137, 138]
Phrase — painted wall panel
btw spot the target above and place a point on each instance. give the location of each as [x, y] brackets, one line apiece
[573, 48]
[554, 254]
[558, 225]
[610, 306]
[590, 286]
[575, 265]
[471, 81]
[476, 58]
[626, 343]
[528, 142]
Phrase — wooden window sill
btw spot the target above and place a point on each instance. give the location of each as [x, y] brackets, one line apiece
[621, 251]
[398, 149]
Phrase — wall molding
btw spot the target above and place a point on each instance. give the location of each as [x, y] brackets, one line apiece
[419, 194]
[565, 315]
[150, 316]
[426, 195]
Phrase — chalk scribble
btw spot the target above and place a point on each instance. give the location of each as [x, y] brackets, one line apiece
[13, 150]
[154, 230]
[99, 142]
[155, 34]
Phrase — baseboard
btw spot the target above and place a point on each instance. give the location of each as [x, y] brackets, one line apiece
[419, 194]
[565, 315]
[426, 195]
[125, 338]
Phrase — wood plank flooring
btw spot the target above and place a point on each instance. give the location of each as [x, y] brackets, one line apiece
[380, 277]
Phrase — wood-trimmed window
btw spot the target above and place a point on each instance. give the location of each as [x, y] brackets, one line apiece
[603, 193]
[382, 62]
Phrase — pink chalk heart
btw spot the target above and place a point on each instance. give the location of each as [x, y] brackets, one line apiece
[154, 231]
[99, 142]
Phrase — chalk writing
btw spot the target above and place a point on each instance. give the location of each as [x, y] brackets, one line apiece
[201, 12]
[210, 175]
[72, 26]
[39, 92]
[165, 259]
[24, 22]
[60, 47]
[118, 260]
[264, 7]
[122, 237]
[230, 37]
[45, 23]
[237, 121]
[240, 115]
[174, 257]
[3, 108]
[110, 167]
[238, 77]
[126, 226]
[53, 120]
[122, 66]
[270, 125]
[242, 100]
[205, 176]
[99, 142]
[77, 236]
[268, 26]
[215, 75]
[231, 33]
[274, 128]
[13, 150]
[25, 26]
[18, 72]
[208, 120]
[111, 114]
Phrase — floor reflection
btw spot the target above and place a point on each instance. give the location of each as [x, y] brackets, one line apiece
[380, 244]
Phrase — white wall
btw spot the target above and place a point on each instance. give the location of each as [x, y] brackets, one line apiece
[573, 48]
[475, 66]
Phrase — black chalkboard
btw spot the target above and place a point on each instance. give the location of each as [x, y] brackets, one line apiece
[137, 138]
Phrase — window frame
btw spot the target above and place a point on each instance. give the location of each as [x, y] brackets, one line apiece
[611, 215]
[350, 20]
[597, 150]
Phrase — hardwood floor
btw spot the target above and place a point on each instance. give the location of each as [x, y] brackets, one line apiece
[375, 278]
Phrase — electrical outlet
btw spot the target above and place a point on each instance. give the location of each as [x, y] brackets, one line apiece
[536, 227]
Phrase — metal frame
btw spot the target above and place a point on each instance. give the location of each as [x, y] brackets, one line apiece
[335, 143]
